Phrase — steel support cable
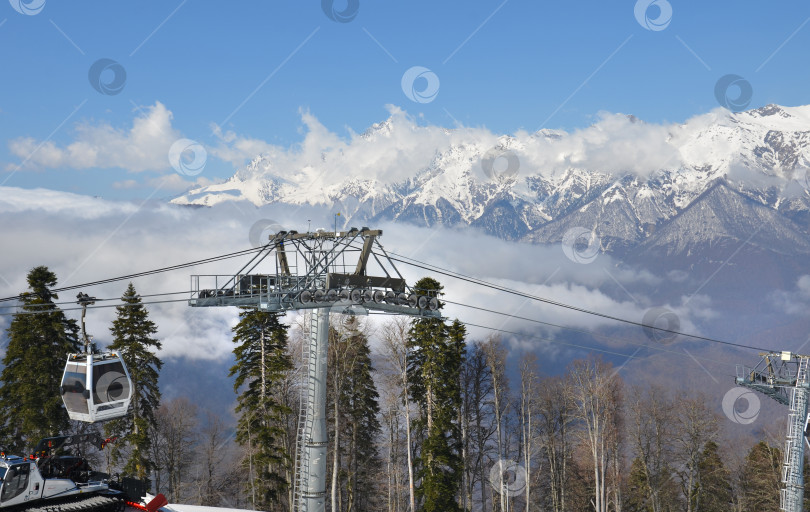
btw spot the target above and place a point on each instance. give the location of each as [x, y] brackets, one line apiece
[97, 300]
[481, 282]
[212, 259]
[506, 331]
[152, 272]
[415, 263]
[585, 331]
[653, 347]
[96, 306]
[558, 342]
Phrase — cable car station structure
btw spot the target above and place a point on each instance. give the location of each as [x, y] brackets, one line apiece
[345, 272]
[783, 376]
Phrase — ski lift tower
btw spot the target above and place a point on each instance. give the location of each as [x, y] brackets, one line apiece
[783, 376]
[345, 272]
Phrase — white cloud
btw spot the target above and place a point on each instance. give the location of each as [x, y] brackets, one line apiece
[793, 302]
[51, 202]
[391, 151]
[237, 150]
[398, 148]
[85, 239]
[90, 239]
[142, 147]
[616, 143]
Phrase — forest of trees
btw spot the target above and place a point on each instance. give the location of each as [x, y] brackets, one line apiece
[420, 418]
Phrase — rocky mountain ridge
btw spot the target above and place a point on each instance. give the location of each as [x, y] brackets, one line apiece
[716, 175]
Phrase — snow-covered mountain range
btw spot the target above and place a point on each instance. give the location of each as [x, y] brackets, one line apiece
[643, 189]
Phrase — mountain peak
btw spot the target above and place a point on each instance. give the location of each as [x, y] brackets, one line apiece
[382, 129]
[623, 175]
[769, 110]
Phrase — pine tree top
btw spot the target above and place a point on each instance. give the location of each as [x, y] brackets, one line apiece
[40, 281]
[132, 330]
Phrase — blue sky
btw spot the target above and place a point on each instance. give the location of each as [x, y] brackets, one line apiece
[252, 67]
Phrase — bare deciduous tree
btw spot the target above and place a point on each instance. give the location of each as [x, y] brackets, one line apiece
[395, 354]
[174, 436]
[695, 425]
[477, 423]
[393, 445]
[593, 391]
[651, 412]
[529, 383]
[211, 455]
[496, 361]
[555, 416]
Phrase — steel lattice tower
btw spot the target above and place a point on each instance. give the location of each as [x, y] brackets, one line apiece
[783, 376]
[326, 272]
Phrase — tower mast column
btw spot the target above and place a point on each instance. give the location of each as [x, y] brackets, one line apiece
[314, 495]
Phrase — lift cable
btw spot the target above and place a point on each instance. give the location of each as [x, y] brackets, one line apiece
[558, 342]
[456, 275]
[96, 306]
[501, 330]
[47, 305]
[624, 340]
[151, 272]
[402, 259]
[586, 331]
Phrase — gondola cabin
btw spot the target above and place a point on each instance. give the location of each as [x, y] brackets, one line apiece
[96, 387]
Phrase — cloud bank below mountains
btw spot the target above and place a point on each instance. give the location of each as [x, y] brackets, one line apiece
[85, 239]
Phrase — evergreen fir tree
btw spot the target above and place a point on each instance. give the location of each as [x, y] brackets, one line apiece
[436, 353]
[133, 339]
[40, 338]
[261, 364]
[714, 481]
[636, 498]
[761, 478]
